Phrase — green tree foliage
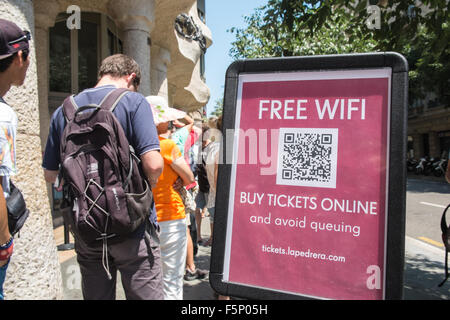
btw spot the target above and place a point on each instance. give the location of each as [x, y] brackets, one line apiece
[218, 107]
[295, 28]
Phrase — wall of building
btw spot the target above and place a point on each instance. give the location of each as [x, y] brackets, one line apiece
[430, 130]
[186, 89]
[34, 271]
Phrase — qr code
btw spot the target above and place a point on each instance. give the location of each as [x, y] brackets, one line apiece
[307, 157]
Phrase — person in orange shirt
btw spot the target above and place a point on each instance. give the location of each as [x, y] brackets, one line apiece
[169, 205]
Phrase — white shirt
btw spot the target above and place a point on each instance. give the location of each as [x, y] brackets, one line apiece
[8, 131]
[211, 157]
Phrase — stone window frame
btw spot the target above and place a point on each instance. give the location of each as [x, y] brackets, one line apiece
[105, 25]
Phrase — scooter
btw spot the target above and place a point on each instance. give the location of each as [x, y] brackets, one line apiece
[411, 164]
[440, 167]
[422, 165]
[429, 166]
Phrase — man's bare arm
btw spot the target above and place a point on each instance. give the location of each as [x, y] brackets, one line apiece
[50, 175]
[4, 230]
[152, 164]
[183, 170]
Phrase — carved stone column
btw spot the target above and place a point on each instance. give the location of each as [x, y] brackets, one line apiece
[45, 14]
[159, 63]
[135, 18]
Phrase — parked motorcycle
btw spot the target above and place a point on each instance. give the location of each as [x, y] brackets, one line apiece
[411, 164]
[420, 165]
[440, 167]
[429, 166]
[424, 166]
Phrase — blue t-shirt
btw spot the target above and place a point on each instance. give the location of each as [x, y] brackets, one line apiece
[133, 113]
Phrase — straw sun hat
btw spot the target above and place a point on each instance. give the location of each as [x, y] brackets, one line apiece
[161, 110]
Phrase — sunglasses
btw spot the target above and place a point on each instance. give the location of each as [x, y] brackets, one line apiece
[26, 36]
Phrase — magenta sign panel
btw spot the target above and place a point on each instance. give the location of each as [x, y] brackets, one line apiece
[307, 207]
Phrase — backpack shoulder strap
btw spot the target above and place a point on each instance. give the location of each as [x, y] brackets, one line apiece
[111, 100]
[445, 230]
[444, 226]
[69, 108]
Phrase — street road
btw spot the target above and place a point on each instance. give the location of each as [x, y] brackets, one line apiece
[425, 202]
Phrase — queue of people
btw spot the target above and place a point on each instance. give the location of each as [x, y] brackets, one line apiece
[153, 256]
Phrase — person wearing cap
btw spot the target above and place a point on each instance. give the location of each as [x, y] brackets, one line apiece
[14, 62]
[169, 204]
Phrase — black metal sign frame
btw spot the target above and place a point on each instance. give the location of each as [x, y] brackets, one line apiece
[395, 241]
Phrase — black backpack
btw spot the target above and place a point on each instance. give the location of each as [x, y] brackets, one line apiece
[446, 239]
[203, 183]
[17, 210]
[102, 176]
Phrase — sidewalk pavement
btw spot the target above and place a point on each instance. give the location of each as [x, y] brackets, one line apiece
[193, 290]
[424, 270]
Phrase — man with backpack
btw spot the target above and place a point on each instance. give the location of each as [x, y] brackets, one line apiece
[105, 146]
[14, 62]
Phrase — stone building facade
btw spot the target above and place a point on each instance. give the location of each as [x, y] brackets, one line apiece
[69, 40]
[429, 130]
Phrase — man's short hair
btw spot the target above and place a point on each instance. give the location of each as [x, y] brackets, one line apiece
[7, 62]
[120, 65]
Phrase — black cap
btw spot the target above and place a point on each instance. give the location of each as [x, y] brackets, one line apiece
[12, 39]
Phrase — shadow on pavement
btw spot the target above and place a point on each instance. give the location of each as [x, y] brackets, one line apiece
[422, 277]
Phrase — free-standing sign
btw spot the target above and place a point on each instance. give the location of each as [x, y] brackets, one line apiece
[310, 199]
